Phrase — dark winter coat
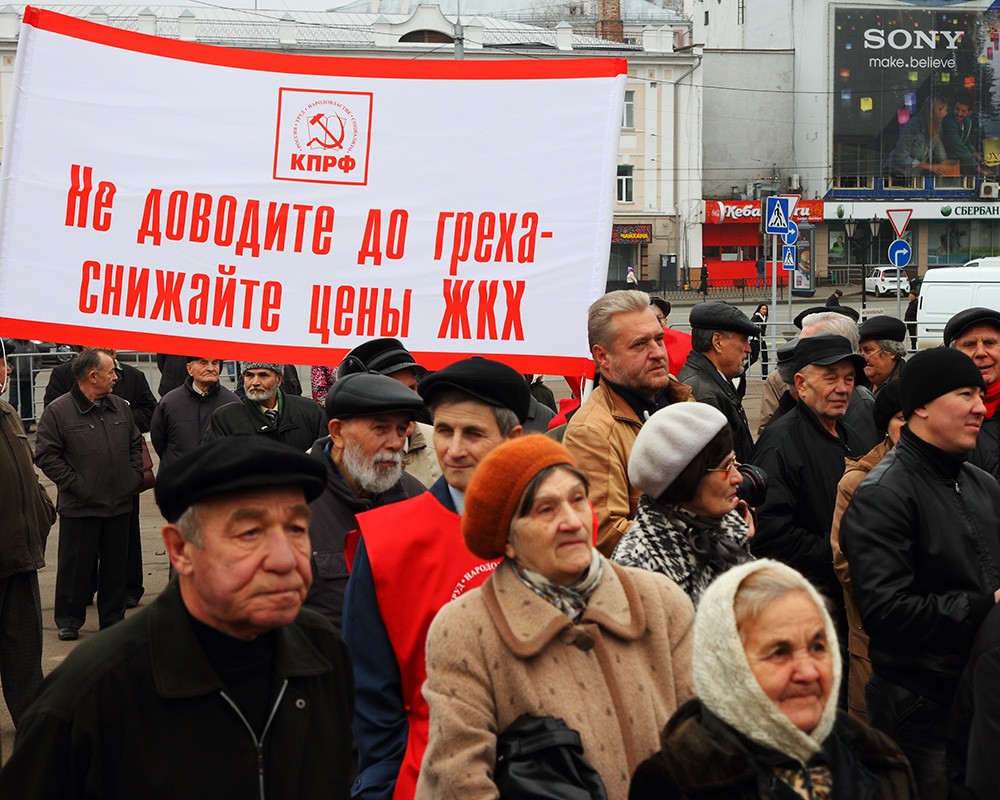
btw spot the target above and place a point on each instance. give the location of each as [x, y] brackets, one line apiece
[132, 387]
[26, 512]
[708, 386]
[138, 712]
[332, 518]
[300, 422]
[922, 536]
[804, 464]
[704, 758]
[182, 417]
[91, 452]
[986, 456]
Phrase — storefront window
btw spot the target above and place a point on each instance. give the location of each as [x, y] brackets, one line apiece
[623, 256]
[948, 242]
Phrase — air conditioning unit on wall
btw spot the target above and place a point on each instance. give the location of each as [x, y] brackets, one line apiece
[989, 190]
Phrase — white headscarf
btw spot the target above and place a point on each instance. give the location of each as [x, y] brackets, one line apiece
[726, 684]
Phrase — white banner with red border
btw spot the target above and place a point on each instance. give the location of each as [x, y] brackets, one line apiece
[180, 198]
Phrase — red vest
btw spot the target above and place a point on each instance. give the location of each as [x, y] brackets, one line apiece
[419, 562]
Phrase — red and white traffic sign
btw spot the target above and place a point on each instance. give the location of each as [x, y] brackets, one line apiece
[900, 218]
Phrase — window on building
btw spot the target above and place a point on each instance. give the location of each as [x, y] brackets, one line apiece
[706, 19]
[628, 114]
[741, 12]
[625, 183]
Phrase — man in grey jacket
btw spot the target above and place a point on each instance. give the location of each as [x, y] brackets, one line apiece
[89, 446]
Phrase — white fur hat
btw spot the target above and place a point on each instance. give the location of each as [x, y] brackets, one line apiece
[669, 441]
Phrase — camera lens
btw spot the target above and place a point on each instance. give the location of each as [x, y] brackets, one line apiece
[753, 487]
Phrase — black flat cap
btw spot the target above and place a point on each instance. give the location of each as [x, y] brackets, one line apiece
[963, 320]
[231, 465]
[365, 395]
[719, 316]
[844, 311]
[786, 351]
[883, 327]
[379, 356]
[824, 349]
[661, 304]
[490, 381]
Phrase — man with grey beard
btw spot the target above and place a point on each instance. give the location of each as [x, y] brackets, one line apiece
[370, 417]
[267, 410]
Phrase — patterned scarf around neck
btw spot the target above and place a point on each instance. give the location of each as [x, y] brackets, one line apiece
[570, 600]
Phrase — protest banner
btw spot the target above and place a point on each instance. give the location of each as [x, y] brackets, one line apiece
[184, 198]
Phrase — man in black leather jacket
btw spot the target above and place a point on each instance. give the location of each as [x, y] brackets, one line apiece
[922, 536]
[720, 342]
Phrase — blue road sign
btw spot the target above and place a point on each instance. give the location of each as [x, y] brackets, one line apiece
[900, 253]
[791, 236]
[788, 257]
[776, 214]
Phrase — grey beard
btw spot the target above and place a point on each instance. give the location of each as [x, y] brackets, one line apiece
[364, 471]
[263, 395]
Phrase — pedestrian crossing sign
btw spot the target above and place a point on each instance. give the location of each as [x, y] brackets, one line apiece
[777, 212]
[788, 257]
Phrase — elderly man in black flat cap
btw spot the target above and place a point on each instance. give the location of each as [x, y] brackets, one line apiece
[370, 417]
[922, 536]
[410, 561]
[720, 343]
[267, 410]
[803, 454]
[976, 332]
[388, 356]
[775, 398]
[883, 349]
[224, 686]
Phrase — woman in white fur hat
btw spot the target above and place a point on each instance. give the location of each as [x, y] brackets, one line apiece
[690, 525]
[765, 723]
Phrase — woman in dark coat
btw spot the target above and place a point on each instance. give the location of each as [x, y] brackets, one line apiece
[765, 724]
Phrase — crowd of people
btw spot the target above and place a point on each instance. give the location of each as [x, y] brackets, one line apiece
[440, 585]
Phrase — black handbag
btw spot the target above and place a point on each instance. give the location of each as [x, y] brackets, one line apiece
[539, 758]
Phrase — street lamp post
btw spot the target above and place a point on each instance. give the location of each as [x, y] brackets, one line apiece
[851, 228]
[876, 226]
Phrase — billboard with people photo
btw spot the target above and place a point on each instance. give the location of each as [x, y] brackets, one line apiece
[915, 94]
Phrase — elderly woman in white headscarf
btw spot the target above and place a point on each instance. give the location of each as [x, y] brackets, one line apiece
[690, 525]
[765, 722]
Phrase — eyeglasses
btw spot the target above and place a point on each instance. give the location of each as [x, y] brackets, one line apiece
[660, 318]
[867, 353]
[728, 467]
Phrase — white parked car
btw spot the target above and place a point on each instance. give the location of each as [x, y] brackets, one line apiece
[883, 280]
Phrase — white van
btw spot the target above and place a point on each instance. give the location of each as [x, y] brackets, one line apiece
[947, 290]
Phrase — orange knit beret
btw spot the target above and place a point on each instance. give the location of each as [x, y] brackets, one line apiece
[494, 493]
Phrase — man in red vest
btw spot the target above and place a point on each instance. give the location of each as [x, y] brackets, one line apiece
[410, 561]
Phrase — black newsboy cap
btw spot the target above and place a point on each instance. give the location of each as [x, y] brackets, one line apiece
[963, 320]
[381, 356]
[490, 381]
[718, 316]
[235, 464]
[364, 395]
[824, 349]
[883, 327]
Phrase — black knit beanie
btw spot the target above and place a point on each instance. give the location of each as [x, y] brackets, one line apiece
[932, 373]
[887, 405]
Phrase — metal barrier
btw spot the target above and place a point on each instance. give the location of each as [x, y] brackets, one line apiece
[31, 372]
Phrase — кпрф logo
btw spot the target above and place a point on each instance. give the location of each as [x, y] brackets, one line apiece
[323, 137]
